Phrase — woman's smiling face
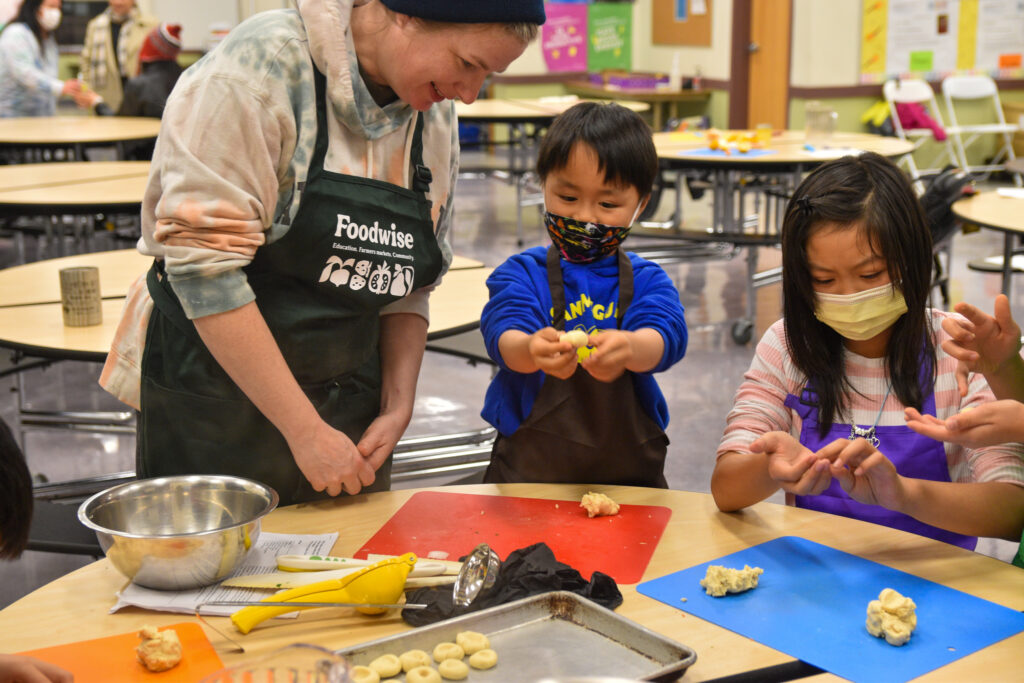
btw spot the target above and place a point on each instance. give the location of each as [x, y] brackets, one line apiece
[425, 64]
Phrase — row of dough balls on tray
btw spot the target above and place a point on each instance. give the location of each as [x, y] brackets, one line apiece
[417, 663]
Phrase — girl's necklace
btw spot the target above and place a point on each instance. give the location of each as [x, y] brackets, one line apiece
[869, 433]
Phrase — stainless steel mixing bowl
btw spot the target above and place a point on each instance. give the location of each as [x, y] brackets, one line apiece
[176, 533]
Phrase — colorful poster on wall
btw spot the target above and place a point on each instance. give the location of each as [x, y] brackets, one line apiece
[564, 37]
[610, 28]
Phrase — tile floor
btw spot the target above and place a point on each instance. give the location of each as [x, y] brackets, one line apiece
[699, 389]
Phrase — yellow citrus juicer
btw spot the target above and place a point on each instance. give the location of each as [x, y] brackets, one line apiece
[380, 583]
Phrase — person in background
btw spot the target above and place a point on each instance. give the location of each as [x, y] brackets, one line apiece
[147, 93]
[15, 520]
[820, 413]
[29, 85]
[591, 414]
[110, 55]
[989, 344]
[298, 209]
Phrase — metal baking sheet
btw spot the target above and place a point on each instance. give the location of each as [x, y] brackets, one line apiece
[549, 635]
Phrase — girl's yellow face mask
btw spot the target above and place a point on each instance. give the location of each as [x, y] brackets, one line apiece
[863, 315]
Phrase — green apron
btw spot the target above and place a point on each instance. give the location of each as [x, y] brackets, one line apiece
[355, 245]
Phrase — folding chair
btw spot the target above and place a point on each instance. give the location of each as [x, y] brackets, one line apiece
[917, 91]
[976, 88]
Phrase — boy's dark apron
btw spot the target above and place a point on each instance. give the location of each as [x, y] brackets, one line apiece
[354, 246]
[581, 430]
[913, 454]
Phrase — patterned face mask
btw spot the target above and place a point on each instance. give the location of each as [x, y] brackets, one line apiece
[582, 242]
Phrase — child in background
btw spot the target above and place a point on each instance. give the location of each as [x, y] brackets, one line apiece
[820, 412]
[15, 519]
[989, 345]
[592, 414]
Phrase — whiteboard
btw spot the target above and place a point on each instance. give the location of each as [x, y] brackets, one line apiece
[196, 18]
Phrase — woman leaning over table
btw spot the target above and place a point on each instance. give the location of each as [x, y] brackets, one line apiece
[298, 211]
[28, 62]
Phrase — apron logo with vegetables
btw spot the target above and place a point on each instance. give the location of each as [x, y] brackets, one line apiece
[364, 271]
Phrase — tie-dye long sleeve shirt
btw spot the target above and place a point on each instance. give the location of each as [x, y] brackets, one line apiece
[235, 144]
[28, 73]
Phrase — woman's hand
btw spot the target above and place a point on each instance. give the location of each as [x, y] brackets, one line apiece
[72, 87]
[555, 358]
[18, 669]
[794, 466]
[987, 424]
[865, 473]
[612, 351]
[330, 461]
[381, 437]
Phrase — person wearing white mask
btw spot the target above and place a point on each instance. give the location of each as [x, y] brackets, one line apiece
[579, 328]
[110, 55]
[820, 413]
[29, 85]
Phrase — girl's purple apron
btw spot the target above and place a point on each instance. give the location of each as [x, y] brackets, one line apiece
[914, 455]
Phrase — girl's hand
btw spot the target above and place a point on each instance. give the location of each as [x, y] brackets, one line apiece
[865, 473]
[612, 351]
[71, 88]
[18, 669]
[982, 342]
[985, 425]
[555, 358]
[796, 469]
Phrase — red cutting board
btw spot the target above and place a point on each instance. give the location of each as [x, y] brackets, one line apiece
[619, 545]
[102, 660]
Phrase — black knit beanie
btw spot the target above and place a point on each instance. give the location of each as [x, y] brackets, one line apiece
[472, 11]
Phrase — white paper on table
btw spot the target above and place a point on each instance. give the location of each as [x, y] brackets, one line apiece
[1012, 192]
[833, 152]
[261, 559]
[698, 7]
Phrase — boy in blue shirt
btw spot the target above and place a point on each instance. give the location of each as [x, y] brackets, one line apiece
[587, 412]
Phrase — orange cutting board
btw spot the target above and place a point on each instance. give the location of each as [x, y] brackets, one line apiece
[102, 660]
[619, 545]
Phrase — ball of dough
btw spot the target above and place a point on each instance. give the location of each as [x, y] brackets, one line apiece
[471, 641]
[414, 658]
[386, 665]
[159, 650]
[422, 674]
[577, 338]
[453, 669]
[443, 651]
[364, 674]
[484, 659]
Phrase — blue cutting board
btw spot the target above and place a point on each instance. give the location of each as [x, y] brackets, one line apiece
[811, 603]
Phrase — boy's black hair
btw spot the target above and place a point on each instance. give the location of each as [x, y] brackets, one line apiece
[15, 496]
[866, 192]
[620, 138]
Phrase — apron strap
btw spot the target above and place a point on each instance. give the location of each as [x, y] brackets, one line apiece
[421, 175]
[167, 302]
[554, 268]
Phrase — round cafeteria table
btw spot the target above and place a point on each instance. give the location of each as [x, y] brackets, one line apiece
[38, 330]
[75, 607]
[76, 132]
[38, 282]
[78, 187]
[989, 209]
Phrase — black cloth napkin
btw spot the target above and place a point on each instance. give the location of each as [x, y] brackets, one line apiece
[525, 572]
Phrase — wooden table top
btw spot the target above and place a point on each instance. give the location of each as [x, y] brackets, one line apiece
[75, 607]
[520, 110]
[38, 329]
[50, 187]
[989, 209]
[787, 148]
[39, 283]
[70, 130]
[588, 89]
